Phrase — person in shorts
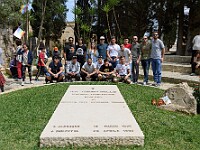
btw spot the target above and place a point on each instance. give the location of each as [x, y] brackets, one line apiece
[89, 71]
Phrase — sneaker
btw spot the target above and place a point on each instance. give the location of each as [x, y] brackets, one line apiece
[31, 82]
[22, 84]
[158, 84]
[192, 74]
[154, 84]
[144, 83]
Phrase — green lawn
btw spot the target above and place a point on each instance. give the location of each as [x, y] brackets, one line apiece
[25, 113]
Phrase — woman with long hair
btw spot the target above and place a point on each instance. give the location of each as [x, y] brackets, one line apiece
[92, 52]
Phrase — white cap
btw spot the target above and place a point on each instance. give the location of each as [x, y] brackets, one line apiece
[102, 38]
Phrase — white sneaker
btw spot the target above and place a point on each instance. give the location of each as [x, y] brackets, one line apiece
[154, 84]
[22, 83]
[192, 74]
[144, 83]
[31, 82]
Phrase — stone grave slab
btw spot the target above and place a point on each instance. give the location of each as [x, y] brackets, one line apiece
[92, 115]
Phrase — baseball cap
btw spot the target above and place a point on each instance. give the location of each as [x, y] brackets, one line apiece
[74, 57]
[55, 48]
[102, 38]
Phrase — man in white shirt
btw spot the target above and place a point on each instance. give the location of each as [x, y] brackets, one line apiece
[112, 52]
[126, 53]
[123, 71]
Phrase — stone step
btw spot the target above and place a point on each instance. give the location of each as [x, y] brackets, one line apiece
[175, 67]
[177, 59]
[174, 77]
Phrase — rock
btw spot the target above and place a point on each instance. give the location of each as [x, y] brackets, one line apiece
[182, 99]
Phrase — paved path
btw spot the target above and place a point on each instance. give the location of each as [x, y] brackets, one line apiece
[12, 85]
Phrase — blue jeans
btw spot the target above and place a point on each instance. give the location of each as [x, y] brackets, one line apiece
[114, 63]
[145, 66]
[157, 68]
[135, 71]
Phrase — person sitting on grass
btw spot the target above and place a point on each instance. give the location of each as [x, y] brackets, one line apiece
[55, 71]
[89, 71]
[123, 71]
[106, 72]
[196, 62]
[73, 70]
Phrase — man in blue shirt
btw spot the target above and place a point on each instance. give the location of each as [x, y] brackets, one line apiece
[102, 47]
[157, 57]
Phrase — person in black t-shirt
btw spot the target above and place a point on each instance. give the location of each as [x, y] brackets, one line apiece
[55, 71]
[106, 71]
[81, 51]
[69, 50]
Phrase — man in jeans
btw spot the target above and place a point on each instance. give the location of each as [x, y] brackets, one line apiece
[157, 57]
[112, 52]
[136, 56]
[73, 70]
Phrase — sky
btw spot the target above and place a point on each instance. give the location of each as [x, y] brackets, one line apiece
[70, 6]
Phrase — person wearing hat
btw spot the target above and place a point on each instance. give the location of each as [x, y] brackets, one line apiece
[102, 47]
[55, 71]
[73, 70]
[56, 52]
[13, 67]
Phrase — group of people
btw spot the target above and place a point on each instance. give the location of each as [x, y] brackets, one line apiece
[97, 62]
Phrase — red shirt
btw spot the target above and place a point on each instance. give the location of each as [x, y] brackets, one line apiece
[127, 46]
[41, 56]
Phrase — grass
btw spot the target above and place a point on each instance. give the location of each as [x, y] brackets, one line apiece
[25, 113]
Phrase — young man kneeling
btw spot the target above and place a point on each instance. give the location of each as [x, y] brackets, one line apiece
[123, 71]
[55, 71]
[106, 72]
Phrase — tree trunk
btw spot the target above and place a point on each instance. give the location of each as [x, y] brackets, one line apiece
[41, 24]
[180, 50]
[114, 14]
[108, 25]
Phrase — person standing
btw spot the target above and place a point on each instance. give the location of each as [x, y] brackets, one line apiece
[81, 52]
[73, 70]
[41, 63]
[127, 44]
[195, 49]
[126, 53]
[2, 79]
[136, 56]
[145, 47]
[19, 58]
[157, 57]
[93, 52]
[56, 52]
[27, 59]
[102, 47]
[112, 52]
[69, 50]
[89, 71]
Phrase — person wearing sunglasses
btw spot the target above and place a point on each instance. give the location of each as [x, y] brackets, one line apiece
[145, 47]
[157, 57]
[136, 56]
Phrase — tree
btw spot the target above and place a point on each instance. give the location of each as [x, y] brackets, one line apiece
[54, 19]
